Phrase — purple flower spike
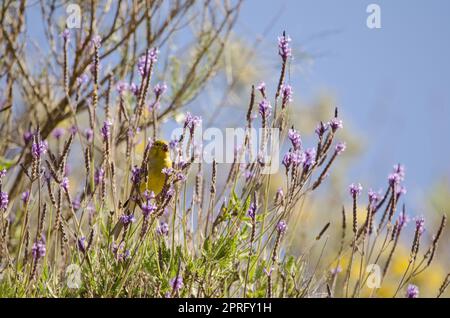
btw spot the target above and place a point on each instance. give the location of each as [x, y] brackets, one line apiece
[163, 229]
[284, 49]
[160, 89]
[127, 219]
[336, 124]
[310, 158]
[65, 184]
[66, 35]
[39, 149]
[25, 196]
[340, 147]
[295, 139]
[4, 200]
[262, 88]
[355, 189]
[58, 133]
[192, 121]
[412, 291]
[176, 283]
[99, 174]
[146, 60]
[252, 210]
[148, 208]
[82, 244]
[89, 134]
[136, 175]
[122, 87]
[38, 250]
[27, 136]
[281, 227]
[420, 222]
[265, 109]
[321, 129]
[96, 42]
[106, 129]
[373, 198]
[286, 94]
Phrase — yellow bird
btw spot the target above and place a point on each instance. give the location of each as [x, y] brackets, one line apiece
[158, 159]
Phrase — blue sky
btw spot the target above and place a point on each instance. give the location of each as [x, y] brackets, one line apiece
[392, 83]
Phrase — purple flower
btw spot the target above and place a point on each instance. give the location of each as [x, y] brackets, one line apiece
[336, 124]
[146, 60]
[73, 129]
[173, 143]
[340, 147]
[38, 250]
[106, 129]
[136, 175]
[65, 184]
[400, 190]
[286, 94]
[76, 203]
[82, 244]
[66, 35]
[4, 200]
[39, 149]
[176, 283]
[159, 89]
[310, 158]
[149, 195]
[127, 219]
[400, 170]
[412, 291]
[265, 109]
[279, 195]
[163, 229]
[252, 210]
[192, 121]
[294, 137]
[284, 49]
[394, 179]
[321, 129]
[120, 253]
[355, 189]
[420, 222]
[134, 89]
[122, 87]
[99, 174]
[293, 157]
[373, 198]
[281, 227]
[96, 42]
[148, 208]
[25, 196]
[180, 177]
[58, 133]
[89, 134]
[27, 136]
[262, 88]
[287, 160]
[2, 174]
[167, 171]
[83, 79]
[336, 270]
[403, 219]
